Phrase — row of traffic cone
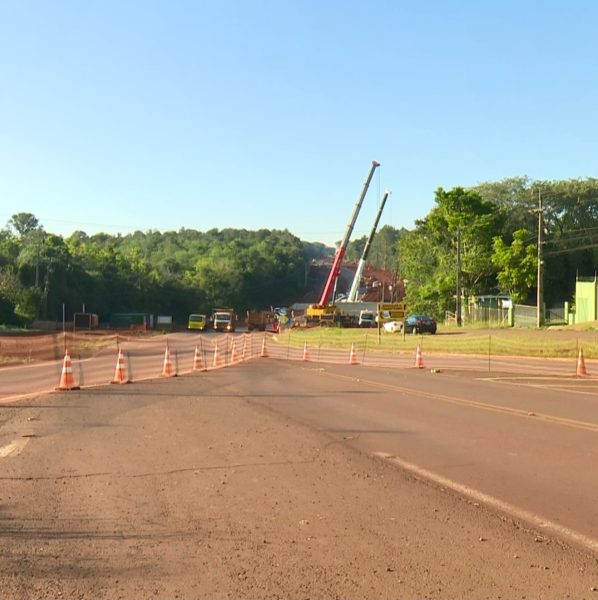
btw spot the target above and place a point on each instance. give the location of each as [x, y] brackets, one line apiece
[352, 355]
[67, 381]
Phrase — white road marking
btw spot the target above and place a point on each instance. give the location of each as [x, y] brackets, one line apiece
[519, 513]
[14, 448]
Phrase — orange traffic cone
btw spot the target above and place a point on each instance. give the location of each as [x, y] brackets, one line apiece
[197, 366]
[264, 353]
[305, 354]
[353, 356]
[120, 375]
[67, 381]
[581, 365]
[419, 361]
[168, 369]
[217, 361]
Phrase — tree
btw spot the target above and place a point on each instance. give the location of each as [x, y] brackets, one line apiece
[516, 264]
[428, 255]
[23, 223]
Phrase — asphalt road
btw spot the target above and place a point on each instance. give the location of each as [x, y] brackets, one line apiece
[525, 445]
[280, 478]
[145, 360]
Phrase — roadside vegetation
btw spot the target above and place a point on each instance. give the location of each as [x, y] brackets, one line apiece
[452, 340]
[487, 234]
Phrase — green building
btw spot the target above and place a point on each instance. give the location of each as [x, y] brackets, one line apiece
[586, 296]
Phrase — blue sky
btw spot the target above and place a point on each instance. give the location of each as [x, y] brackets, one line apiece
[124, 116]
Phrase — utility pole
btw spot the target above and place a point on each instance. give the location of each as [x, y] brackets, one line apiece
[540, 287]
[458, 302]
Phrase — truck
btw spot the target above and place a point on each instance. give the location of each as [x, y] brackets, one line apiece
[367, 318]
[355, 314]
[258, 319]
[223, 319]
[197, 321]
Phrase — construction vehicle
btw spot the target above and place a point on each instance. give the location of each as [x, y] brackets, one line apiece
[223, 319]
[197, 322]
[321, 310]
[258, 319]
[360, 314]
[367, 318]
[352, 297]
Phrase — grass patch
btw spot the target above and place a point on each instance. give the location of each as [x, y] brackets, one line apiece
[497, 342]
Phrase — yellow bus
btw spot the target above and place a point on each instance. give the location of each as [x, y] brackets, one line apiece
[197, 322]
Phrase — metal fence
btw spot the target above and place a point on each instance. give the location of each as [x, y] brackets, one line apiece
[486, 316]
[524, 315]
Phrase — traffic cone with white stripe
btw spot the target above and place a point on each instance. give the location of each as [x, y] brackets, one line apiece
[305, 354]
[353, 356]
[197, 366]
[264, 353]
[168, 369]
[419, 360]
[217, 360]
[581, 365]
[120, 375]
[67, 381]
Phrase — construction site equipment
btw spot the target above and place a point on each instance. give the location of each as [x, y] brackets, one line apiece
[120, 374]
[340, 253]
[581, 365]
[366, 318]
[197, 366]
[223, 319]
[217, 360]
[168, 368]
[67, 381]
[258, 319]
[355, 314]
[392, 311]
[305, 353]
[419, 360]
[197, 321]
[352, 297]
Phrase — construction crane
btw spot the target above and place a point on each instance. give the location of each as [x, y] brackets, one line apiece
[352, 297]
[340, 253]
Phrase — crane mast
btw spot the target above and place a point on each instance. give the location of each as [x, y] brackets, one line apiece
[366, 250]
[340, 253]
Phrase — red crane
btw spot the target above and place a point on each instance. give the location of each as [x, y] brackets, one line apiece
[340, 253]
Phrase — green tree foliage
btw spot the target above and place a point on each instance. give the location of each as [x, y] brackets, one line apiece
[383, 251]
[570, 225]
[23, 223]
[428, 255]
[173, 273]
[516, 264]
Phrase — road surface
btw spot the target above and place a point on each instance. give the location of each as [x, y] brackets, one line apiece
[281, 478]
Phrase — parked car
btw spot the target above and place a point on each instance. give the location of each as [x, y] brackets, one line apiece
[420, 324]
[393, 326]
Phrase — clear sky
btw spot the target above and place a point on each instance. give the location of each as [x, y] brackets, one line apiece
[118, 116]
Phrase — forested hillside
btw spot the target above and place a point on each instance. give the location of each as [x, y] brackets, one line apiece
[173, 273]
[488, 234]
